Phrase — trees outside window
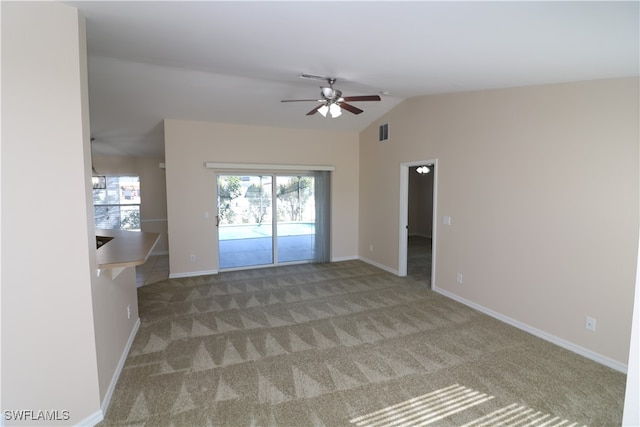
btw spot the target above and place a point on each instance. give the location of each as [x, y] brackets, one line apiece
[229, 189]
[259, 202]
[293, 195]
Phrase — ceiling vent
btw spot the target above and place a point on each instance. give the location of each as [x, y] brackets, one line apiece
[383, 132]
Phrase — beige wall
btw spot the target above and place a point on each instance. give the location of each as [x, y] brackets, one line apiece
[191, 187]
[541, 184]
[114, 329]
[153, 208]
[49, 358]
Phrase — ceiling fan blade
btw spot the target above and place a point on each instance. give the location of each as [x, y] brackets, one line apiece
[350, 108]
[362, 98]
[312, 112]
[299, 100]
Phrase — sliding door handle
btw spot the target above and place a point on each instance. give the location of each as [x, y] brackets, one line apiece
[217, 220]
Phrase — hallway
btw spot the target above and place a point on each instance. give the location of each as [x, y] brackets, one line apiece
[419, 258]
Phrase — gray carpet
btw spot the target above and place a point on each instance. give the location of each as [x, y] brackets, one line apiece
[344, 344]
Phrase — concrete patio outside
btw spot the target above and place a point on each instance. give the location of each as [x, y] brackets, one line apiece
[251, 244]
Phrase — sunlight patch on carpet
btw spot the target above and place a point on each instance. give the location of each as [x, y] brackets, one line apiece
[425, 409]
[440, 404]
[515, 414]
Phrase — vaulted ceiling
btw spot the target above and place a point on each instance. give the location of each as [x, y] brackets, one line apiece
[234, 61]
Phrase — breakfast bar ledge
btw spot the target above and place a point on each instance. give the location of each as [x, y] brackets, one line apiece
[119, 249]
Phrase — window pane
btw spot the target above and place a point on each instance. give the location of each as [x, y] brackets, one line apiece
[129, 187]
[121, 190]
[117, 217]
[130, 218]
[118, 206]
[296, 218]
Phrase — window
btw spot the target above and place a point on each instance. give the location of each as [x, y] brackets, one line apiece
[118, 205]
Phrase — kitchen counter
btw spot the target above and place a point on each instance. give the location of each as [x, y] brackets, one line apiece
[124, 249]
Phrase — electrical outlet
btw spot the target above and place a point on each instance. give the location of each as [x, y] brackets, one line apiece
[459, 278]
[370, 248]
[192, 258]
[590, 324]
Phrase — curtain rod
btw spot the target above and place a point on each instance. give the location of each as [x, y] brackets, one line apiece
[255, 166]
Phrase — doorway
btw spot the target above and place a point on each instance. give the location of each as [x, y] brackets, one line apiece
[265, 219]
[417, 220]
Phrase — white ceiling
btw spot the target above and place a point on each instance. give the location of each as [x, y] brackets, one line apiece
[234, 61]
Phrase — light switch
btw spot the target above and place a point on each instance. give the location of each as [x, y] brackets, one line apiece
[446, 220]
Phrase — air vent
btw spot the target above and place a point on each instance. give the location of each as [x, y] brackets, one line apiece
[383, 132]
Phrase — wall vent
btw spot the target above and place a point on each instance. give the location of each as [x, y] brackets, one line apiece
[383, 132]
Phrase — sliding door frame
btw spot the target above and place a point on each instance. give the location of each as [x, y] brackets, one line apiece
[274, 170]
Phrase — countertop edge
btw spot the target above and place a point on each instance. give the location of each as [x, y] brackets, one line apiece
[126, 249]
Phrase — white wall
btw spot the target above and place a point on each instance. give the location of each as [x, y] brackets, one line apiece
[542, 187]
[49, 359]
[191, 187]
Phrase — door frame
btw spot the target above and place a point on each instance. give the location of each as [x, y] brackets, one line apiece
[275, 222]
[404, 216]
[272, 194]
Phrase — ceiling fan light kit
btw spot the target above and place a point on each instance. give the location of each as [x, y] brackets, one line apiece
[332, 101]
[335, 110]
[323, 110]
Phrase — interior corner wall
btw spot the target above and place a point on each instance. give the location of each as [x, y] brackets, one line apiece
[49, 358]
[542, 187]
[191, 188]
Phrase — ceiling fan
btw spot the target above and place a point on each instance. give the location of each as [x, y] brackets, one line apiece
[331, 101]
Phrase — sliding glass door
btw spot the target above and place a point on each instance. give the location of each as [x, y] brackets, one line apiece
[295, 228]
[245, 220]
[268, 219]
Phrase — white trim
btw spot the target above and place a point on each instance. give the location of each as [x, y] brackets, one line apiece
[154, 220]
[92, 419]
[404, 217]
[154, 253]
[116, 374]
[380, 266]
[344, 258]
[256, 166]
[98, 416]
[596, 357]
[192, 274]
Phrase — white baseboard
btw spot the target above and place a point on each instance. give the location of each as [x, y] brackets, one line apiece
[596, 357]
[344, 258]
[192, 274]
[158, 253]
[92, 420]
[380, 266]
[98, 416]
